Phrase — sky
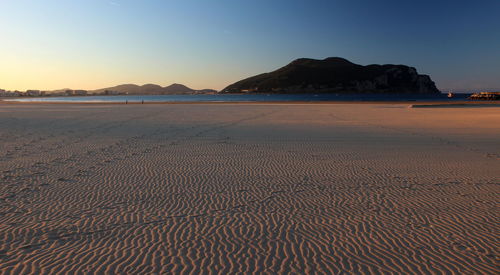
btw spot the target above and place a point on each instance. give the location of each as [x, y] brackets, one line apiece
[91, 44]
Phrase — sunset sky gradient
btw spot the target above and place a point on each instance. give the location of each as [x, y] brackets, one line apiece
[90, 44]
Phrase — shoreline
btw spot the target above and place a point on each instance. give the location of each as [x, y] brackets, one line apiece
[413, 104]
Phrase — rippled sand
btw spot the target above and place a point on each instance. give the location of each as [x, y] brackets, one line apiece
[355, 188]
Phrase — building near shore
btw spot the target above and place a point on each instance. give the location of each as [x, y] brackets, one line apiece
[33, 93]
[80, 92]
[111, 92]
[5, 93]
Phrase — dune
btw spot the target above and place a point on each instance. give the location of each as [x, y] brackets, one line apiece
[248, 188]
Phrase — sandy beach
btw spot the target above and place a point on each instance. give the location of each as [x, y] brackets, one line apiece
[249, 188]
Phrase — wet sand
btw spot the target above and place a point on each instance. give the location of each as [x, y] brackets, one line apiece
[252, 188]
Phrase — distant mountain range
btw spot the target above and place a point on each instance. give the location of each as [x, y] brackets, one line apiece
[330, 75]
[153, 89]
[336, 75]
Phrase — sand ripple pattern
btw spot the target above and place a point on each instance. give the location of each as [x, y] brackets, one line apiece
[264, 189]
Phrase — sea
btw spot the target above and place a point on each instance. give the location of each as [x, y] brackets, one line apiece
[240, 98]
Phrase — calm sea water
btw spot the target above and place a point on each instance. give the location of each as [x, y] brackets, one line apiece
[237, 98]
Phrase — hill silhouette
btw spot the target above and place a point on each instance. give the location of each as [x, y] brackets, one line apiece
[153, 89]
[336, 75]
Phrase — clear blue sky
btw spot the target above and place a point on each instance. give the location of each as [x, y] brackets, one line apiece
[50, 44]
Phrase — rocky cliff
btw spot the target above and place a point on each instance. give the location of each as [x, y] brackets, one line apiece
[336, 75]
